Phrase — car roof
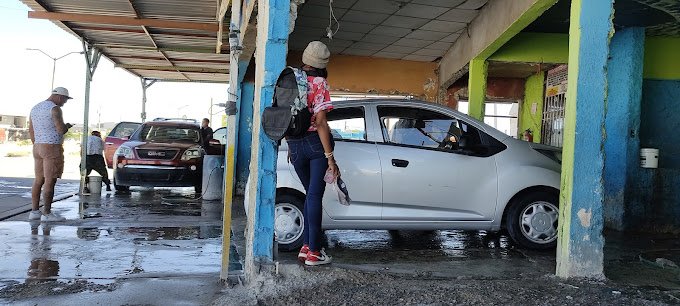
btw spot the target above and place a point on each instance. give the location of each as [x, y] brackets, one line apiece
[173, 123]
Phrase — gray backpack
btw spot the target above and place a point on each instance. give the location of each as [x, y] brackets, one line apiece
[289, 114]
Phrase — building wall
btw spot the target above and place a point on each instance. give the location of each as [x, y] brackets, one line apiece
[655, 193]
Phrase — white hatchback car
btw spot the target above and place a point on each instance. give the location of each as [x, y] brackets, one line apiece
[412, 165]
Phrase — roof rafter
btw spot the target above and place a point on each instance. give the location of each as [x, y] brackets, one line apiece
[121, 30]
[153, 41]
[120, 20]
[175, 68]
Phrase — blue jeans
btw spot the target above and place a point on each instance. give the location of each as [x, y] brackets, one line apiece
[310, 164]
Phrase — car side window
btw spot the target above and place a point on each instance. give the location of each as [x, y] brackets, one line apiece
[347, 123]
[220, 135]
[124, 129]
[429, 129]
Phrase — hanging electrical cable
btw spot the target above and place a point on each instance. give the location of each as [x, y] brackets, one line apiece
[331, 16]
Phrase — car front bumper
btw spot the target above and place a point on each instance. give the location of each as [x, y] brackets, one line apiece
[157, 176]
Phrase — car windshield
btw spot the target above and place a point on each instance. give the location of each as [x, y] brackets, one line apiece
[154, 133]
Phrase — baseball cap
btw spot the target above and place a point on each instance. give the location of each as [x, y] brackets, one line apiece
[61, 91]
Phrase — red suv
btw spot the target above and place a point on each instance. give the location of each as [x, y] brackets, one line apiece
[160, 153]
[118, 135]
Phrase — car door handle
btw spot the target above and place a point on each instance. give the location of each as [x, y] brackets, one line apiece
[400, 163]
[109, 143]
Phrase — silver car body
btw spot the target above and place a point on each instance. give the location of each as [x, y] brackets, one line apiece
[437, 190]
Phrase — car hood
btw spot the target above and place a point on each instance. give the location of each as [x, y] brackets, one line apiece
[159, 145]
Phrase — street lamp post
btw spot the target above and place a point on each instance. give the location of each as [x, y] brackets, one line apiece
[54, 61]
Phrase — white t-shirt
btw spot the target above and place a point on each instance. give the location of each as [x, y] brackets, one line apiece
[43, 126]
[95, 145]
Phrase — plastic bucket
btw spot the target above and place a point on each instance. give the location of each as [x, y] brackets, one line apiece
[649, 158]
[95, 184]
[213, 175]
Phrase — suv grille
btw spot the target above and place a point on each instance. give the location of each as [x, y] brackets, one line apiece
[157, 154]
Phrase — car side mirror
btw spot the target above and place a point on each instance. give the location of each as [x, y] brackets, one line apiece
[125, 138]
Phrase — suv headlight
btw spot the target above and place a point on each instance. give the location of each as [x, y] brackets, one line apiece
[124, 151]
[192, 153]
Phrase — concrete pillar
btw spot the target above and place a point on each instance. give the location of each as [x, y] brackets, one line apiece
[245, 129]
[580, 240]
[531, 112]
[622, 123]
[477, 87]
[270, 59]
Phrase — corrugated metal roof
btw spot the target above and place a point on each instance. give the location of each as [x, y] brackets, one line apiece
[151, 52]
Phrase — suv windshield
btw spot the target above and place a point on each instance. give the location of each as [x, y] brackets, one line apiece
[153, 133]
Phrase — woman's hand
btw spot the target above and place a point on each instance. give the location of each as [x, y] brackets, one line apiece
[333, 167]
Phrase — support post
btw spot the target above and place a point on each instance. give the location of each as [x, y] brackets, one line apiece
[92, 57]
[580, 241]
[622, 123]
[270, 59]
[477, 87]
[146, 83]
[232, 137]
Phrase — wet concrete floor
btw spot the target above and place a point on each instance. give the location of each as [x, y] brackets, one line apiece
[164, 247]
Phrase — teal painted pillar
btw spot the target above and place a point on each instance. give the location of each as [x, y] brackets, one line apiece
[622, 123]
[477, 88]
[245, 136]
[270, 59]
[580, 241]
[246, 94]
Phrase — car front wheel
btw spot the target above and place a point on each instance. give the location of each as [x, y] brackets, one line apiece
[289, 222]
[532, 220]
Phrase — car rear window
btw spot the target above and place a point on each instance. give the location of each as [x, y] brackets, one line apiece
[154, 133]
[124, 129]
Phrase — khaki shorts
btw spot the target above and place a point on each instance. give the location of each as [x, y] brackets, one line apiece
[48, 160]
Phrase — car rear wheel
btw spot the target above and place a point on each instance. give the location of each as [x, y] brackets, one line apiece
[120, 187]
[289, 222]
[532, 220]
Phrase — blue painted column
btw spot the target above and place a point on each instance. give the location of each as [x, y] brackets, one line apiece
[622, 123]
[245, 135]
[270, 59]
[580, 240]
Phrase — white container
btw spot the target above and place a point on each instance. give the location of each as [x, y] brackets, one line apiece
[213, 175]
[649, 158]
[95, 184]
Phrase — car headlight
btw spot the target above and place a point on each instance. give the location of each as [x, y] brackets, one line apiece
[124, 151]
[192, 153]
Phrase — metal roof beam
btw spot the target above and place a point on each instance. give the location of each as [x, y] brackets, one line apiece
[175, 69]
[119, 20]
[171, 48]
[174, 59]
[121, 30]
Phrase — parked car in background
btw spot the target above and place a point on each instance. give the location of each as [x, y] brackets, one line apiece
[118, 135]
[161, 153]
[412, 165]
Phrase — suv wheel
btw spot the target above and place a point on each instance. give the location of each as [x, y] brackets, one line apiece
[120, 187]
[289, 222]
[532, 220]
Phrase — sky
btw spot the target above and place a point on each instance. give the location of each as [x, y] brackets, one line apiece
[116, 95]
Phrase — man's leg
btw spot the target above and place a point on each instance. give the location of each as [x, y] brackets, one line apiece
[100, 167]
[39, 177]
[48, 194]
[35, 192]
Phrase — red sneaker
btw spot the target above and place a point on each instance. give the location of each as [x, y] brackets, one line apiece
[303, 252]
[317, 258]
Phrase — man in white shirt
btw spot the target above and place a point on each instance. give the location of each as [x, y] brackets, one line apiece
[95, 159]
[47, 129]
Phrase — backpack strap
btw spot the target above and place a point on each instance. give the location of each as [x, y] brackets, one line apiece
[301, 100]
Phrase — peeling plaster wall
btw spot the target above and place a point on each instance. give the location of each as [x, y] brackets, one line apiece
[655, 194]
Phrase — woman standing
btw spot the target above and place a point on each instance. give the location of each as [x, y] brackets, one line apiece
[312, 154]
